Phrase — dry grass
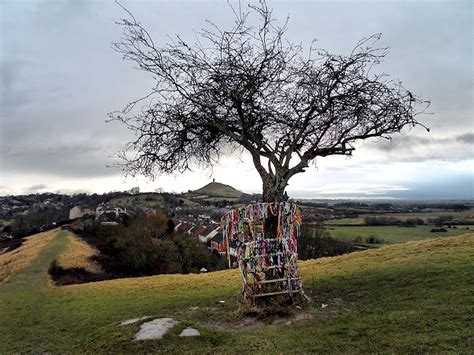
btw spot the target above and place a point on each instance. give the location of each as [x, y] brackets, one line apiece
[78, 254]
[388, 256]
[13, 262]
[167, 283]
[406, 298]
[364, 261]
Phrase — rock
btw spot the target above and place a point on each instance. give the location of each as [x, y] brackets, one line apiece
[155, 329]
[190, 332]
[134, 320]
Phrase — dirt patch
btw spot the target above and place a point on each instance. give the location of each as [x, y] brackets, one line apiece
[252, 323]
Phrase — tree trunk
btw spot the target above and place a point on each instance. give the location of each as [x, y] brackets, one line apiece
[274, 182]
[274, 190]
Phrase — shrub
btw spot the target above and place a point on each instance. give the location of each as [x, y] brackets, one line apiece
[414, 221]
[74, 275]
[437, 230]
[374, 240]
[315, 242]
[147, 246]
[357, 239]
[381, 221]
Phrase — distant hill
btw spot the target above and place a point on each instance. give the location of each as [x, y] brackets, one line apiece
[216, 189]
[212, 192]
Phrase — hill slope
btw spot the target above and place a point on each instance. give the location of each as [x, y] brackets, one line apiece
[218, 189]
[16, 260]
[414, 297]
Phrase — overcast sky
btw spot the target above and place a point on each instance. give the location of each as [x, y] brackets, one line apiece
[60, 77]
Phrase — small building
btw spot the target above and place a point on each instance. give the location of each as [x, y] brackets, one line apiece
[218, 244]
[78, 212]
[198, 231]
[109, 209]
[208, 234]
[109, 223]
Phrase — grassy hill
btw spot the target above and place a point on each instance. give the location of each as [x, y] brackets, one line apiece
[151, 200]
[212, 192]
[216, 189]
[414, 297]
[15, 261]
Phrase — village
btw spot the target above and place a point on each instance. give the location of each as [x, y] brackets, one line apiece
[198, 225]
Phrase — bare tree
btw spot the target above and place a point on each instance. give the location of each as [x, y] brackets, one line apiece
[247, 87]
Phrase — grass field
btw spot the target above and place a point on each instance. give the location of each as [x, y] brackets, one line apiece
[6, 222]
[467, 215]
[391, 234]
[154, 201]
[413, 297]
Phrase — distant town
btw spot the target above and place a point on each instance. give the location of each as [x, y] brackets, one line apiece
[195, 213]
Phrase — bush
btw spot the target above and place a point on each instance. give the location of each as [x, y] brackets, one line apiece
[357, 239]
[147, 246]
[437, 230]
[374, 240]
[315, 242]
[414, 221]
[381, 221]
[74, 275]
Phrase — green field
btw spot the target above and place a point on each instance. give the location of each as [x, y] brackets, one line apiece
[392, 234]
[6, 222]
[406, 298]
[466, 215]
[154, 201]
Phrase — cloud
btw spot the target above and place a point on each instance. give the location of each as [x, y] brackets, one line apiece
[359, 188]
[467, 138]
[35, 188]
[14, 92]
[76, 159]
[413, 148]
[59, 81]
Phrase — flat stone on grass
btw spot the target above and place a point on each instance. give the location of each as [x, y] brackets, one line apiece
[134, 320]
[155, 329]
[190, 332]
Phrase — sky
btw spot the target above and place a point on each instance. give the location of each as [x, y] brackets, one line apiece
[59, 77]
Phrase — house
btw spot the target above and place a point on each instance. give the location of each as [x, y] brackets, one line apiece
[191, 230]
[208, 234]
[110, 209]
[198, 231]
[78, 212]
[109, 223]
[219, 244]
